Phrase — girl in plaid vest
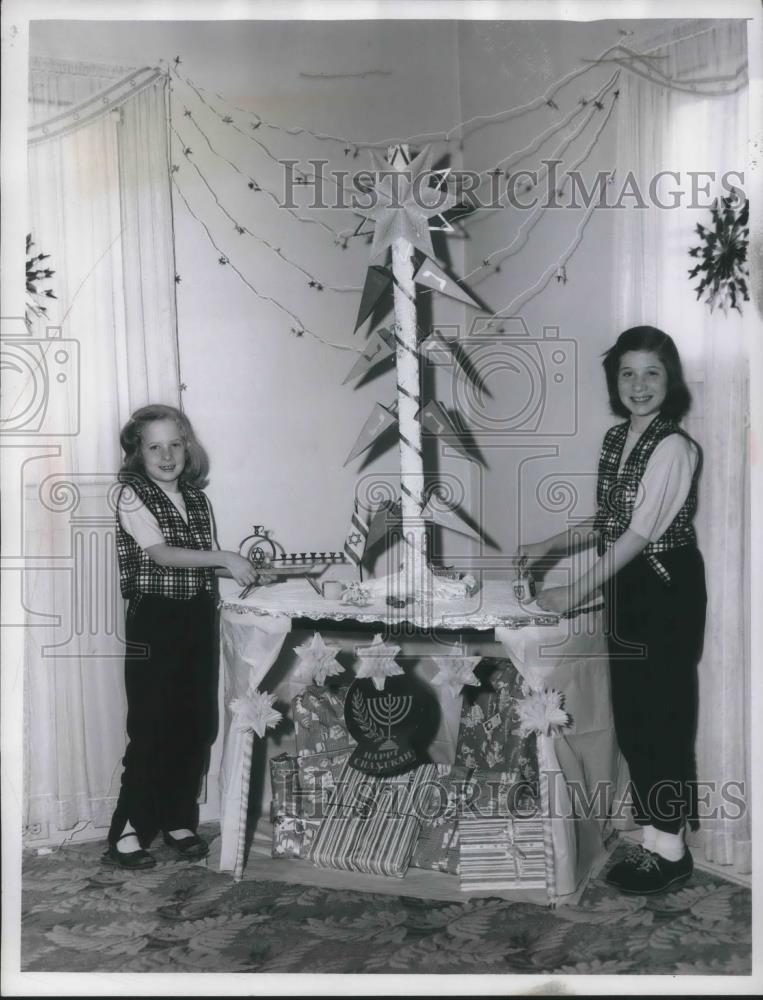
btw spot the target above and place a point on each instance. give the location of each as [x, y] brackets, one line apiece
[653, 580]
[167, 563]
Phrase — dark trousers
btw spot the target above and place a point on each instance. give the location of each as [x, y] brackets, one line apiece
[171, 713]
[655, 642]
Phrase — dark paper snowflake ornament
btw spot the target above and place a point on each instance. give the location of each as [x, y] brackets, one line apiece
[37, 275]
[723, 269]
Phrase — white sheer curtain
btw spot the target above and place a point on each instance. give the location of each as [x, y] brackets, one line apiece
[100, 206]
[662, 127]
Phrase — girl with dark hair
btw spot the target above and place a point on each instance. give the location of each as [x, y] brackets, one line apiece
[167, 562]
[653, 580]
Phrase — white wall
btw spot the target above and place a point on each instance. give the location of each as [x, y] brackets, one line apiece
[507, 66]
[270, 407]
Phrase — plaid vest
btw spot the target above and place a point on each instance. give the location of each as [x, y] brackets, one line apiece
[618, 491]
[138, 573]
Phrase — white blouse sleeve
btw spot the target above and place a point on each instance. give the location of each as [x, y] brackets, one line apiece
[664, 486]
[138, 521]
[212, 525]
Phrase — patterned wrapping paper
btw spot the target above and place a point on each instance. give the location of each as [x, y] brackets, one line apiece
[437, 846]
[502, 793]
[488, 735]
[318, 714]
[293, 836]
[467, 793]
[284, 783]
[301, 788]
[501, 853]
[318, 775]
[373, 823]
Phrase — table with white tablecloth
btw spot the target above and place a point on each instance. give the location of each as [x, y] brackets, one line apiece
[582, 764]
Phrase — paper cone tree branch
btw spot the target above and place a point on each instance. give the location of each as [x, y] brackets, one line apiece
[377, 423]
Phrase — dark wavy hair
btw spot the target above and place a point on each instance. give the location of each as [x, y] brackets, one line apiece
[196, 468]
[649, 338]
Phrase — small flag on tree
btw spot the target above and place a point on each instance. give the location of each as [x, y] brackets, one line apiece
[355, 543]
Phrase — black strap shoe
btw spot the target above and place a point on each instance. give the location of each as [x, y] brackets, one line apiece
[131, 860]
[192, 847]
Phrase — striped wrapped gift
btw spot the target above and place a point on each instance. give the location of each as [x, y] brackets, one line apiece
[372, 824]
[501, 853]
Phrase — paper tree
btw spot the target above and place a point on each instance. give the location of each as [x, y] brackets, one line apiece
[402, 215]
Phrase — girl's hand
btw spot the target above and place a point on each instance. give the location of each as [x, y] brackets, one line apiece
[557, 600]
[242, 571]
[527, 555]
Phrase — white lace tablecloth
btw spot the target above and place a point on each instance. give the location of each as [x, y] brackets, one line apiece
[494, 604]
[566, 654]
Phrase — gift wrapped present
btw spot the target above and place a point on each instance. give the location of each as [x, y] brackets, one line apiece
[301, 787]
[293, 836]
[373, 823]
[318, 774]
[488, 734]
[501, 853]
[284, 784]
[501, 793]
[437, 846]
[318, 714]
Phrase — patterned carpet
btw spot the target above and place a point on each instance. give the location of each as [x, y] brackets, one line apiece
[79, 916]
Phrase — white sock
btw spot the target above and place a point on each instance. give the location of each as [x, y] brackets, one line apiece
[648, 837]
[669, 845]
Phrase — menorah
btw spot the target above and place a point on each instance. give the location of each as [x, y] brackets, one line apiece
[389, 711]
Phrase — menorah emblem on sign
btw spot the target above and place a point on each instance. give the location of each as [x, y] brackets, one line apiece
[389, 711]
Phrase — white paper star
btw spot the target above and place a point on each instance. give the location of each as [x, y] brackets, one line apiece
[455, 671]
[405, 203]
[377, 661]
[255, 712]
[318, 660]
[541, 712]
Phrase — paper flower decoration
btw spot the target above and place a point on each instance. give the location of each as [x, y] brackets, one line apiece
[542, 712]
[255, 712]
[455, 671]
[355, 593]
[405, 203]
[377, 661]
[317, 660]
